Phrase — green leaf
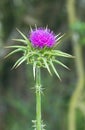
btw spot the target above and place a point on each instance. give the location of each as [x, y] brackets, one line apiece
[20, 47]
[34, 69]
[62, 54]
[17, 62]
[53, 67]
[23, 59]
[20, 40]
[24, 36]
[58, 53]
[60, 37]
[60, 63]
[17, 50]
[47, 66]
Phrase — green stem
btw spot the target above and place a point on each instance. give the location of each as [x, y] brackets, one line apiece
[38, 99]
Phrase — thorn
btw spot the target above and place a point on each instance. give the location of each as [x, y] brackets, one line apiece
[36, 26]
[46, 27]
[57, 35]
[31, 28]
[17, 29]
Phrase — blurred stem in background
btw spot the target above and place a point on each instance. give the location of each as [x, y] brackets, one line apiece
[1, 33]
[1, 44]
[1, 36]
[79, 66]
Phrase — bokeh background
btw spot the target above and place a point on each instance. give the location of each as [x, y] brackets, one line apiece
[63, 103]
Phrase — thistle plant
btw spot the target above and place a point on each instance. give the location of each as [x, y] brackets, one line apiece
[39, 49]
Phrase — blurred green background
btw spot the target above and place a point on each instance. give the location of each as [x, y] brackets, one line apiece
[63, 103]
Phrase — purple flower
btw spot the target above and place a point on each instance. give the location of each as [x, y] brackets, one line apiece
[42, 37]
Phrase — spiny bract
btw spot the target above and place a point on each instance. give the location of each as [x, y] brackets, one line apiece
[39, 49]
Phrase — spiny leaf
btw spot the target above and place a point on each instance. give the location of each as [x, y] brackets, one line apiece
[20, 40]
[47, 66]
[60, 63]
[34, 69]
[25, 57]
[20, 61]
[20, 47]
[60, 37]
[54, 69]
[60, 53]
[24, 36]
[17, 62]
[17, 50]
[57, 35]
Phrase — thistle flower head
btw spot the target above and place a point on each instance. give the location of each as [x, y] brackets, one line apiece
[39, 50]
[42, 37]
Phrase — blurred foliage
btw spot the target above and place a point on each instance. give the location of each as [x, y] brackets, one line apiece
[79, 27]
[17, 98]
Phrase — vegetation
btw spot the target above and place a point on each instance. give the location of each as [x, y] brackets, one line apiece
[63, 104]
